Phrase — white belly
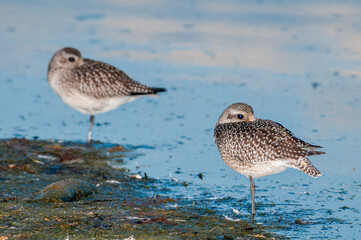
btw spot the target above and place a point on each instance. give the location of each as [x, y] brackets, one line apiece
[92, 106]
[261, 169]
[84, 103]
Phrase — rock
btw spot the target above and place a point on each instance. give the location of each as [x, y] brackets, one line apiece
[66, 191]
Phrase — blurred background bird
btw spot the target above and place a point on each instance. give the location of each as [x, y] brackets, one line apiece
[92, 87]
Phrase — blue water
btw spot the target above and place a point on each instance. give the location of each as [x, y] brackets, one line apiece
[297, 63]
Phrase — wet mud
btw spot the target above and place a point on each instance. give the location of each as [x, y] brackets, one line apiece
[64, 190]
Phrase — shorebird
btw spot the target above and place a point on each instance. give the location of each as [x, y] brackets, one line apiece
[257, 147]
[92, 87]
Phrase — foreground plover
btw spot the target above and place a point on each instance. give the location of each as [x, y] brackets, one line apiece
[257, 147]
[92, 87]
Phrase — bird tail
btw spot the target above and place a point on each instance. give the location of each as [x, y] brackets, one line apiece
[157, 90]
[306, 166]
[310, 153]
[149, 91]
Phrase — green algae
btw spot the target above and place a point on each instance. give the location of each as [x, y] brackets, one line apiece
[121, 206]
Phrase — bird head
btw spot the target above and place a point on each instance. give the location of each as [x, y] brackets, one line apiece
[66, 58]
[237, 112]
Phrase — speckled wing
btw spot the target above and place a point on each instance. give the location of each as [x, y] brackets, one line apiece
[245, 142]
[289, 147]
[262, 141]
[310, 148]
[258, 141]
[101, 80]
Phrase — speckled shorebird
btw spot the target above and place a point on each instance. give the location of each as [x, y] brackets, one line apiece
[257, 147]
[92, 87]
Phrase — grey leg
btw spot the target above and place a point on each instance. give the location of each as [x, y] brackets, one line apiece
[253, 188]
[90, 129]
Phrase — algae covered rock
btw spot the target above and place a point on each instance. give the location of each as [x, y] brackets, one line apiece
[66, 191]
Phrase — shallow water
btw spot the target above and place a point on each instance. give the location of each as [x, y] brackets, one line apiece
[295, 63]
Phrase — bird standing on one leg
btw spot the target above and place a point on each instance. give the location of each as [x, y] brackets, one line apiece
[257, 147]
[92, 87]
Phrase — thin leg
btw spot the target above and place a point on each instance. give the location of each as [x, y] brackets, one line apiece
[90, 129]
[253, 188]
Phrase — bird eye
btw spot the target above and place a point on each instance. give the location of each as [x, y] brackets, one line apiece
[71, 59]
[240, 116]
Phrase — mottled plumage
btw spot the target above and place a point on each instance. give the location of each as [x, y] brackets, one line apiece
[92, 87]
[258, 147]
[101, 80]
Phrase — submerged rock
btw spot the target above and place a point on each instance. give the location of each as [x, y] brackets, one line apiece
[66, 191]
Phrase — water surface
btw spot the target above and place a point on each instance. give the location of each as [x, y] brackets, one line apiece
[297, 63]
